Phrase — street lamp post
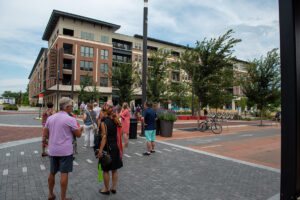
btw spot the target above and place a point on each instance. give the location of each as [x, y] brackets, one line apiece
[145, 24]
[145, 51]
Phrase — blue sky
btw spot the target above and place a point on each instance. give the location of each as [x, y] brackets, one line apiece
[22, 24]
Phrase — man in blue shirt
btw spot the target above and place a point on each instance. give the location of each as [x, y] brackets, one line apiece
[149, 117]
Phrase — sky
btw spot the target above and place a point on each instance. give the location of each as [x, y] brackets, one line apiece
[22, 24]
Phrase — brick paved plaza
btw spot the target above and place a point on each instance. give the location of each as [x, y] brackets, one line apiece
[241, 163]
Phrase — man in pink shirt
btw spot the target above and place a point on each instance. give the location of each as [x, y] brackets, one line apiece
[60, 129]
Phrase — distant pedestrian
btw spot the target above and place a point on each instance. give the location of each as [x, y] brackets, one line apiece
[96, 109]
[89, 119]
[82, 108]
[138, 110]
[125, 116]
[47, 113]
[60, 129]
[132, 109]
[76, 108]
[109, 143]
[149, 117]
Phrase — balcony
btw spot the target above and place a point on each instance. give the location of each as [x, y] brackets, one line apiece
[67, 79]
[67, 64]
[68, 49]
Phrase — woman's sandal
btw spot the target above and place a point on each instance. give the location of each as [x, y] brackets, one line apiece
[52, 198]
[106, 193]
[44, 154]
[113, 191]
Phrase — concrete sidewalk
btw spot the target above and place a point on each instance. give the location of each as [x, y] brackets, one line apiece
[173, 172]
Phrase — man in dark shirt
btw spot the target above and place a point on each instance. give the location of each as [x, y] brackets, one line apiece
[149, 117]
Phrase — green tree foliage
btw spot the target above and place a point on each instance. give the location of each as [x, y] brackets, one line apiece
[15, 95]
[178, 94]
[87, 94]
[210, 67]
[157, 76]
[262, 85]
[122, 78]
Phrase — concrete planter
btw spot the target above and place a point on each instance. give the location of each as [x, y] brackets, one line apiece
[166, 128]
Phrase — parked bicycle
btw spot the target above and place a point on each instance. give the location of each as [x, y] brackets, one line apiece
[212, 124]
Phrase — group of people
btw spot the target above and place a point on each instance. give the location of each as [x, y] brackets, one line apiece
[59, 130]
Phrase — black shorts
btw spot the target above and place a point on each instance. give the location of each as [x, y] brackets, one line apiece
[64, 164]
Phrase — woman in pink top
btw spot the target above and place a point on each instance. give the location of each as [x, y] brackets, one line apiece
[125, 115]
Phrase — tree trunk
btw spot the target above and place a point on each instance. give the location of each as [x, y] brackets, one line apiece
[198, 113]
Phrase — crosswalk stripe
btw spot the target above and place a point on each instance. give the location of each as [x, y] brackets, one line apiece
[42, 167]
[7, 154]
[128, 156]
[5, 172]
[158, 151]
[167, 150]
[138, 154]
[131, 142]
[89, 161]
[24, 169]
[140, 142]
[175, 149]
[75, 163]
[22, 153]
[36, 152]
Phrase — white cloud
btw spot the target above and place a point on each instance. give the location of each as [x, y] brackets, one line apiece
[172, 20]
[13, 85]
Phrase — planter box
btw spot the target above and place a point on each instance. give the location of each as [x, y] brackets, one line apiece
[166, 128]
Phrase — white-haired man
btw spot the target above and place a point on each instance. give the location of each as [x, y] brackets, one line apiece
[60, 129]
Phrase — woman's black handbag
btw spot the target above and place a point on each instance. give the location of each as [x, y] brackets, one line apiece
[106, 159]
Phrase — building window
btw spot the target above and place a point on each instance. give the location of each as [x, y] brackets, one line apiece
[105, 39]
[86, 79]
[140, 46]
[140, 58]
[136, 45]
[104, 68]
[136, 58]
[68, 32]
[87, 51]
[104, 54]
[103, 82]
[88, 36]
[86, 65]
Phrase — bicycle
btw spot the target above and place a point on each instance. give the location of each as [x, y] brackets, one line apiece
[211, 124]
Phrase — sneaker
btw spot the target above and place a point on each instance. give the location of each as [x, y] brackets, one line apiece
[152, 151]
[147, 154]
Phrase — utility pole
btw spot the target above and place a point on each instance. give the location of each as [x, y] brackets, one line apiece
[145, 27]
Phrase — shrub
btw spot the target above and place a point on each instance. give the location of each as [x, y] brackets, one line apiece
[10, 107]
[167, 116]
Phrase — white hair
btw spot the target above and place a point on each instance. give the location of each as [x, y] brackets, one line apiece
[64, 103]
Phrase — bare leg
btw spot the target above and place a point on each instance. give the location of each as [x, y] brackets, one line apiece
[114, 179]
[148, 146]
[125, 139]
[153, 145]
[63, 185]
[106, 181]
[51, 182]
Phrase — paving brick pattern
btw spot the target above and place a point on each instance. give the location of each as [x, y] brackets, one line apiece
[173, 173]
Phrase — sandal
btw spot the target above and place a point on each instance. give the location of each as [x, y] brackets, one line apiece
[44, 154]
[52, 198]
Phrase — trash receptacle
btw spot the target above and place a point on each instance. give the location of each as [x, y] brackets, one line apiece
[133, 128]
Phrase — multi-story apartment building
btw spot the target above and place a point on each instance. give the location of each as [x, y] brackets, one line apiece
[89, 47]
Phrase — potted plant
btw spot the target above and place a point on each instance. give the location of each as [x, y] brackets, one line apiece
[167, 120]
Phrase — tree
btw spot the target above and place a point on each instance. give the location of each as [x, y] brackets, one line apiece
[122, 79]
[83, 94]
[178, 94]
[210, 67]
[242, 103]
[15, 95]
[157, 76]
[262, 84]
